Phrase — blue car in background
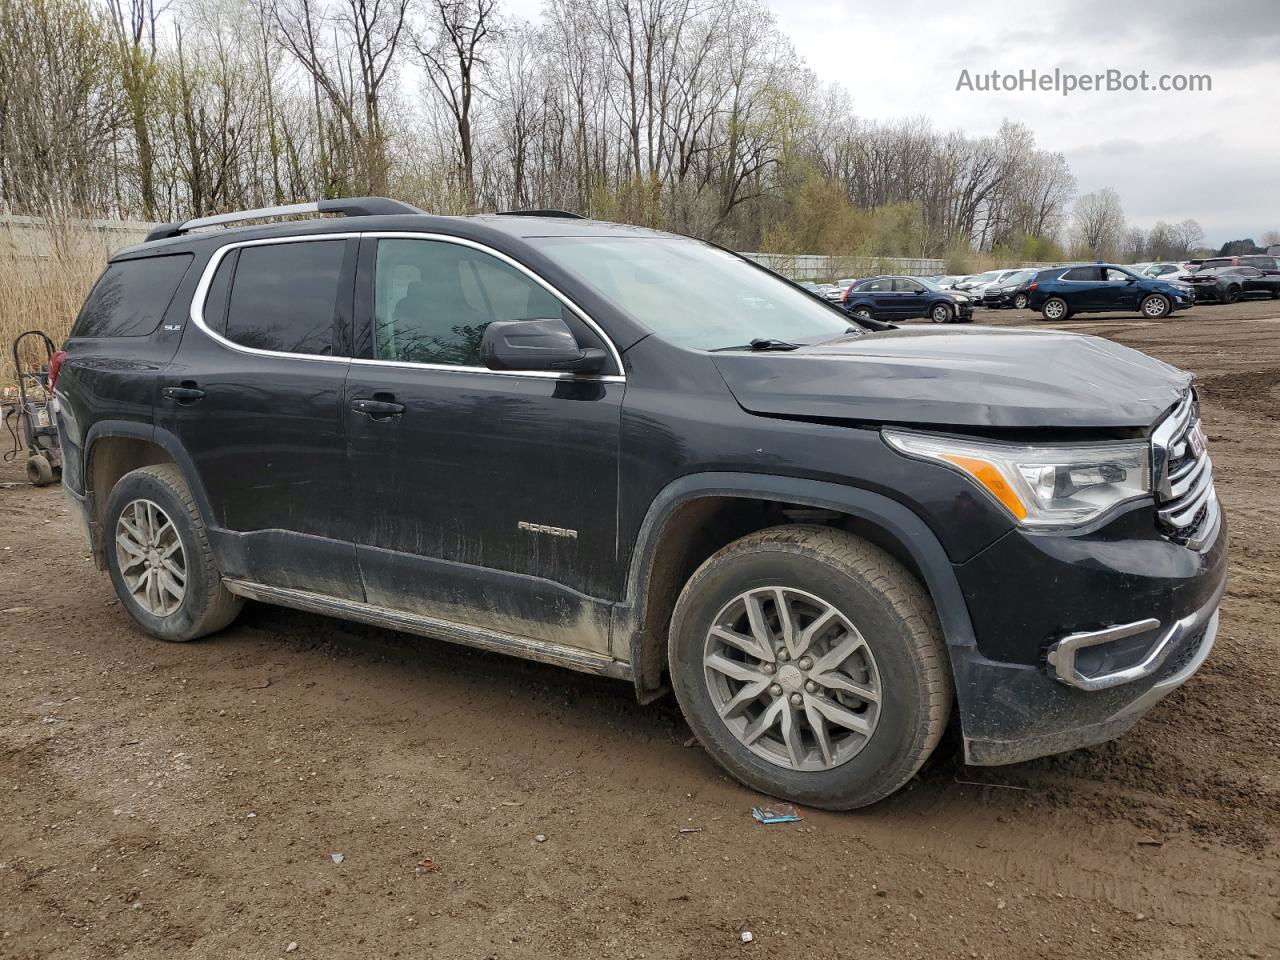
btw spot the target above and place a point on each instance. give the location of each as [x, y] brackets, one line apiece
[1104, 287]
[902, 298]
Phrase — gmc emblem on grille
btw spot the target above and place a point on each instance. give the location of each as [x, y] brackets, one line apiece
[544, 528]
[1197, 440]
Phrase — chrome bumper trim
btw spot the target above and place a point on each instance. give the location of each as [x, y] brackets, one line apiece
[1062, 655]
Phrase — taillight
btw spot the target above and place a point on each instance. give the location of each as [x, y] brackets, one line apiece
[1032, 287]
[55, 366]
[844, 297]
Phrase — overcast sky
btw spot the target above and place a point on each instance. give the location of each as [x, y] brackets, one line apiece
[1212, 156]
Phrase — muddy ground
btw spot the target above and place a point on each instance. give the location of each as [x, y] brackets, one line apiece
[190, 800]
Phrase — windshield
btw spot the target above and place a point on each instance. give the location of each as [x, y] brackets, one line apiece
[692, 294]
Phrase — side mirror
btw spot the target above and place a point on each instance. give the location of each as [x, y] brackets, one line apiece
[537, 345]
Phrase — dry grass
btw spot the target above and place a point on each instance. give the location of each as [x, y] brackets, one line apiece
[40, 294]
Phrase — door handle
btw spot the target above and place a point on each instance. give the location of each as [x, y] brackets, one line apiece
[377, 409]
[187, 393]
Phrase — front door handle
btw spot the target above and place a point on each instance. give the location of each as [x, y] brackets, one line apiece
[377, 409]
[183, 394]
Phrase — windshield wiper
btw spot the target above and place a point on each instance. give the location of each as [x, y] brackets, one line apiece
[762, 344]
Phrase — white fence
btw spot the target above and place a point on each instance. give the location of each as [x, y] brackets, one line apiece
[32, 238]
[809, 266]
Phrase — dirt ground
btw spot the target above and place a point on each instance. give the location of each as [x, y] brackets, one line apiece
[298, 786]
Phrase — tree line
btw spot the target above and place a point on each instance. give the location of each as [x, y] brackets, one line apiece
[690, 115]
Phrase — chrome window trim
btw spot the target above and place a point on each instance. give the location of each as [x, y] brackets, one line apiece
[206, 280]
[201, 294]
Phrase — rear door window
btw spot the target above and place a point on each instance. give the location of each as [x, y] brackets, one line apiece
[131, 297]
[284, 297]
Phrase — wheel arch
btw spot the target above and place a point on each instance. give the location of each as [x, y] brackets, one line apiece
[115, 447]
[680, 530]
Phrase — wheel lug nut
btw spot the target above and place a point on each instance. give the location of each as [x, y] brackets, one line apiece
[783, 655]
[769, 668]
[805, 663]
[775, 690]
[797, 699]
[811, 686]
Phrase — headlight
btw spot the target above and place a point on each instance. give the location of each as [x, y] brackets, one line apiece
[1042, 486]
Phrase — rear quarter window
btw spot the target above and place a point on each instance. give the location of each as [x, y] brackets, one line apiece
[131, 297]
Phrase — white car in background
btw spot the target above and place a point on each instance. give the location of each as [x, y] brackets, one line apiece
[1166, 270]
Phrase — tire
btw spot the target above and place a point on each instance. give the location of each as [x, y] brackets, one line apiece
[942, 313]
[1020, 302]
[862, 313]
[1230, 295]
[902, 658]
[39, 470]
[205, 605]
[1055, 308]
[1155, 306]
[1275, 294]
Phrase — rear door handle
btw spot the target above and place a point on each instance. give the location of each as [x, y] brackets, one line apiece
[377, 409]
[183, 394]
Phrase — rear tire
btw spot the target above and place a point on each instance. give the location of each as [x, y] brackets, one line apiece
[1230, 295]
[159, 557]
[862, 313]
[877, 611]
[1055, 308]
[1020, 302]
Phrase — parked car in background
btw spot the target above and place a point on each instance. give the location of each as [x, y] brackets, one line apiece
[1009, 292]
[1166, 270]
[904, 298]
[837, 290]
[977, 286]
[1267, 264]
[944, 281]
[1095, 288]
[1229, 284]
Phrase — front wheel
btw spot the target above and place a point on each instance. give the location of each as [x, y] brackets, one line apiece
[1055, 308]
[810, 665]
[158, 555]
[941, 313]
[1155, 306]
[1230, 295]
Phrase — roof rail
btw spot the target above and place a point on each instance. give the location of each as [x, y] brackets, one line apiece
[347, 206]
[538, 212]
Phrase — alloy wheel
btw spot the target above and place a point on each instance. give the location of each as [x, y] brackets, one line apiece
[1054, 310]
[792, 678]
[152, 562]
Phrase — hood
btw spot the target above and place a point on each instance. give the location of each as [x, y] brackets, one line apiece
[971, 377]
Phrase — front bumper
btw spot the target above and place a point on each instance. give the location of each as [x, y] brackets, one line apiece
[1079, 635]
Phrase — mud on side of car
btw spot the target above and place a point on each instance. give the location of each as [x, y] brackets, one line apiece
[641, 456]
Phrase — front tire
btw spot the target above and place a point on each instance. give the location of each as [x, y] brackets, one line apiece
[157, 552]
[1230, 295]
[1156, 306]
[811, 666]
[1055, 308]
[941, 313]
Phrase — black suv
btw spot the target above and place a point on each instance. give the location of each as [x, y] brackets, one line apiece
[642, 456]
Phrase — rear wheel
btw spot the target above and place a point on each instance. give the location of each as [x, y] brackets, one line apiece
[1020, 302]
[810, 665]
[862, 313]
[1156, 306]
[1230, 295]
[941, 313]
[158, 554]
[1055, 308]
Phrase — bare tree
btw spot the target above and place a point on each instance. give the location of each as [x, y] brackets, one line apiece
[1186, 236]
[1098, 223]
[453, 54]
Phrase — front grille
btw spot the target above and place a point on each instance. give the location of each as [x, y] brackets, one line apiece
[1186, 502]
